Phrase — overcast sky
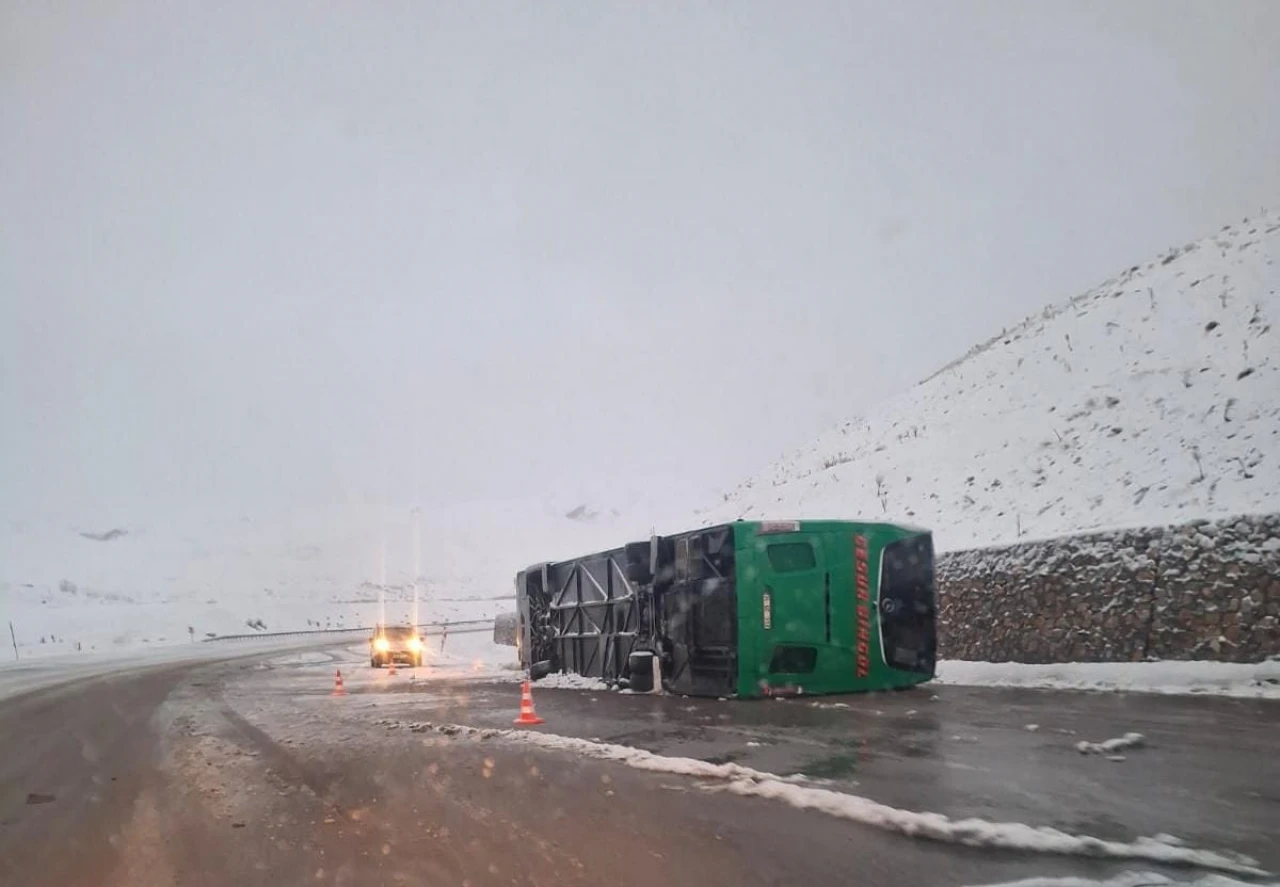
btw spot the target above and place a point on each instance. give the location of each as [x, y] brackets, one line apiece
[259, 255]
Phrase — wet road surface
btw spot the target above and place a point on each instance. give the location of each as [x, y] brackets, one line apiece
[251, 772]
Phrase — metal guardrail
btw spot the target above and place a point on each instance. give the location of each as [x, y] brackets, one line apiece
[462, 626]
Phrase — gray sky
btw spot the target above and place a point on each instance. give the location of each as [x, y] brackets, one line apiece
[256, 255]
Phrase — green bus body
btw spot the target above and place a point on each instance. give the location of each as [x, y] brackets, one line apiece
[822, 585]
[749, 609]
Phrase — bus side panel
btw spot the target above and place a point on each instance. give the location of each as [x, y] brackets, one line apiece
[593, 614]
[795, 610]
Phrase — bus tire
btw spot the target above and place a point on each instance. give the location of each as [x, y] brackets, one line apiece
[640, 669]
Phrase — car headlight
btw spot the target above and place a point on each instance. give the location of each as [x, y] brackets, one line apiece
[415, 644]
[381, 645]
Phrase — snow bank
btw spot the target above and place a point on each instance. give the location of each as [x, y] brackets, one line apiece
[564, 681]
[1259, 680]
[1111, 746]
[1135, 879]
[934, 826]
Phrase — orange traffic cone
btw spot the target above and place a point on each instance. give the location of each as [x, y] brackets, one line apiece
[528, 716]
[392, 673]
[338, 689]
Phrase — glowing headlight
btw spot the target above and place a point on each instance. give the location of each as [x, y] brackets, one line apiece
[381, 645]
[415, 644]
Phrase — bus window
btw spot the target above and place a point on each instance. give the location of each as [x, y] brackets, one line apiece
[793, 660]
[791, 557]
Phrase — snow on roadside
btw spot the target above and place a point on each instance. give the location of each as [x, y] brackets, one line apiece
[566, 681]
[1111, 746]
[27, 675]
[934, 826]
[1134, 879]
[1257, 680]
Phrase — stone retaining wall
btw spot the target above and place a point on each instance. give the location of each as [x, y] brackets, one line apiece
[1202, 590]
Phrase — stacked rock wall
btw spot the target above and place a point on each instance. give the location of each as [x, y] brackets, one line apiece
[1201, 590]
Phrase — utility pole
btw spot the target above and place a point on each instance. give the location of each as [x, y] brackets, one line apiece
[13, 638]
[417, 562]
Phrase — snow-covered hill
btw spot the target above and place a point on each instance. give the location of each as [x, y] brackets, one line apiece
[1152, 399]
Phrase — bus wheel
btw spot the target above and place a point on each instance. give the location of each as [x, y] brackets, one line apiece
[640, 666]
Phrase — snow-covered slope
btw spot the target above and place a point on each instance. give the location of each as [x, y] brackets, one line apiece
[1152, 399]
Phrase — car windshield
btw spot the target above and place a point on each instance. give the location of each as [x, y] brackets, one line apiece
[399, 632]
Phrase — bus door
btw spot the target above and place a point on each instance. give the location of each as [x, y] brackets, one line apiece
[794, 579]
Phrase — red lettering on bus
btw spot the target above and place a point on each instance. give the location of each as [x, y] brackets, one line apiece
[862, 585]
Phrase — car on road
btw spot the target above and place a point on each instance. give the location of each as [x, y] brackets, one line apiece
[395, 643]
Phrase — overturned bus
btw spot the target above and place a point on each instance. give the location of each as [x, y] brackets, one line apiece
[745, 609]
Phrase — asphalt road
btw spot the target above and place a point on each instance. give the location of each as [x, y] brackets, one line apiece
[250, 772]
